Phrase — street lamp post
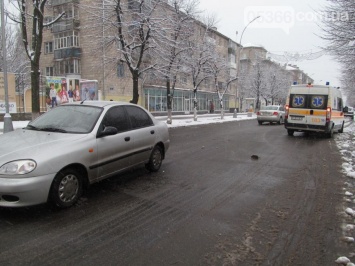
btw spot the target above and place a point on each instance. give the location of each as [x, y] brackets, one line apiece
[238, 66]
[7, 118]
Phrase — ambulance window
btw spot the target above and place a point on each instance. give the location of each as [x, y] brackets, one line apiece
[340, 104]
[318, 101]
[298, 101]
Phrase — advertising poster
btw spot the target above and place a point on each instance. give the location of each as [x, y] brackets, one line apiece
[89, 90]
[12, 107]
[59, 91]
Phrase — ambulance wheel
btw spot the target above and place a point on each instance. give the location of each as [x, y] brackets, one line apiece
[290, 132]
[330, 134]
[342, 128]
[260, 123]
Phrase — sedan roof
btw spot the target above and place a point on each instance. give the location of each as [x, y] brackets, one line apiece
[99, 103]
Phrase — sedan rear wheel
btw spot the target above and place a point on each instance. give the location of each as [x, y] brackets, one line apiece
[280, 121]
[156, 159]
[66, 189]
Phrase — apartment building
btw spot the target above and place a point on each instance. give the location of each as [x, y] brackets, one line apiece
[75, 49]
[263, 81]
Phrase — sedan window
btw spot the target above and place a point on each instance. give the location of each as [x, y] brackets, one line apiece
[138, 117]
[116, 117]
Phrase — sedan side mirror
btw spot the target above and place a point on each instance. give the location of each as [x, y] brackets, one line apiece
[108, 131]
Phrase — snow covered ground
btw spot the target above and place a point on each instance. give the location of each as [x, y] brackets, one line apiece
[346, 145]
[344, 141]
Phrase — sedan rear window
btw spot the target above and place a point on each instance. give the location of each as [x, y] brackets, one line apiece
[269, 107]
[138, 117]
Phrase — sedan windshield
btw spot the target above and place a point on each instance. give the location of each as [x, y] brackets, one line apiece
[67, 119]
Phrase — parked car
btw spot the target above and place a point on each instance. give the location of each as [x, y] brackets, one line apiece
[349, 111]
[74, 145]
[271, 114]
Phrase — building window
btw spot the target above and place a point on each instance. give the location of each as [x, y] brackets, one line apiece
[68, 66]
[71, 10]
[48, 47]
[66, 40]
[49, 71]
[120, 70]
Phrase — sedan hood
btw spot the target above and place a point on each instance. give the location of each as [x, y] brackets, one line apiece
[23, 143]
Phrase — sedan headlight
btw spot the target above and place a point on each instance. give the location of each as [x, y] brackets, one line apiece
[20, 167]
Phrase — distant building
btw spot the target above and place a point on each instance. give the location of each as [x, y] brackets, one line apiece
[298, 76]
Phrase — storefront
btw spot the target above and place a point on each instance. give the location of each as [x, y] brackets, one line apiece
[155, 100]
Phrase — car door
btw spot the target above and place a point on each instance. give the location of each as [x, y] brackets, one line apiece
[115, 152]
[143, 133]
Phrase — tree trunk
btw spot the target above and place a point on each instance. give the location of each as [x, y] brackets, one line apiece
[135, 77]
[168, 101]
[195, 104]
[222, 109]
[35, 84]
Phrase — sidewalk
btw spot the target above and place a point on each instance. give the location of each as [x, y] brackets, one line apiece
[178, 120]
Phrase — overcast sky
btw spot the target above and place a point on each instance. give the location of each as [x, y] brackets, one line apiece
[284, 26]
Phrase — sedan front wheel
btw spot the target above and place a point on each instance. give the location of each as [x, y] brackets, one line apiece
[66, 189]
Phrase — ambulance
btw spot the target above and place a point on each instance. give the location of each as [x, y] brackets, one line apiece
[314, 108]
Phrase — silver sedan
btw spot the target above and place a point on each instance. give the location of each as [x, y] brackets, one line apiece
[74, 145]
[271, 114]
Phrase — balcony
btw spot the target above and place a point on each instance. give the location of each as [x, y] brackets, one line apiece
[61, 2]
[67, 53]
[65, 25]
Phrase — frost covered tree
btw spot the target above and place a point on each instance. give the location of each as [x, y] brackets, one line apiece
[220, 74]
[127, 30]
[201, 50]
[258, 83]
[277, 83]
[338, 30]
[172, 43]
[31, 20]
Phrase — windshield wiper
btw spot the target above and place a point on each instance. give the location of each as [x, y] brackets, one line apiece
[31, 127]
[53, 129]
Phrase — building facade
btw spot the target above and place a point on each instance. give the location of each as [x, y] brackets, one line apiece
[73, 49]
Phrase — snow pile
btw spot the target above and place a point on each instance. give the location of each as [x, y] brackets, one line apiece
[346, 145]
[177, 121]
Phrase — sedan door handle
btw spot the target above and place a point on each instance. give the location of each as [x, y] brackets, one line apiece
[152, 132]
[127, 138]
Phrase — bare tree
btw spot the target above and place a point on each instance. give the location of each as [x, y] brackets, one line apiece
[31, 21]
[219, 71]
[277, 83]
[338, 30]
[130, 31]
[201, 47]
[172, 42]
[258, 83]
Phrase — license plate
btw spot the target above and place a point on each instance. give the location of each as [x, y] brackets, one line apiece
[296, 117]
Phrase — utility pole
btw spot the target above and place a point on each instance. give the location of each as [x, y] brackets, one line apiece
[238, 66]
[7, 117]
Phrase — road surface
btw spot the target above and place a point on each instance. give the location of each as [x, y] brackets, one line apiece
[227, 194]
